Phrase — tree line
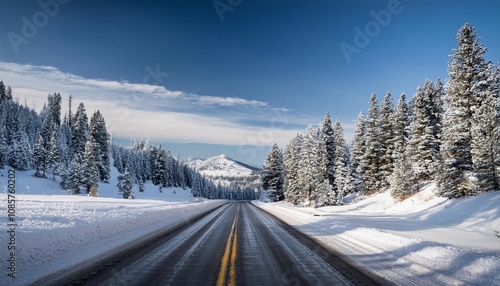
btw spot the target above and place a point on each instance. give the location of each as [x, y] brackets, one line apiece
[143, 162]
[446, 134]
[73, 148]
[78, 151]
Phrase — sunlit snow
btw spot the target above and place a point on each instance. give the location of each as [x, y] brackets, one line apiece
[424, 240]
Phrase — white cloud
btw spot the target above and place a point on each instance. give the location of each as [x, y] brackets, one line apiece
[183, 127]
[281, 109]
[37, 77]
[229, 101]
[145, 110]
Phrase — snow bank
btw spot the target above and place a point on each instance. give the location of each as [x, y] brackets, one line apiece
[63, 231]
[423, 240]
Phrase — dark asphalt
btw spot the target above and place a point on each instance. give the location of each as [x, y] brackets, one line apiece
[237, 244]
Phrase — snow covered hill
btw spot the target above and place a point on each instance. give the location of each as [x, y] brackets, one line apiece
[224, 170]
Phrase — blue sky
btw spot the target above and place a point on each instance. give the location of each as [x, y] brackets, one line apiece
[232, 81]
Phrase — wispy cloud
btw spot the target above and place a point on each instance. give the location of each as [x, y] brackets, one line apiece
[75, 83]
[145, 110]
[229, 101]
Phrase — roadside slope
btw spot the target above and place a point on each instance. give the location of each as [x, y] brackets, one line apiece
[421, 241]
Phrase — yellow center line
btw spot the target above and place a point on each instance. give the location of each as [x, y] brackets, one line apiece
[232, 269]
[229, 255]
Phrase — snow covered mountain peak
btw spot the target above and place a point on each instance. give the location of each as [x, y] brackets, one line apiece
[222, 169]
[221, 166]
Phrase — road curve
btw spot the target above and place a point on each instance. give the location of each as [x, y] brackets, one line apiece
[237, 244]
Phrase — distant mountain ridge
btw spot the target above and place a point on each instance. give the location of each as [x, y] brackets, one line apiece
[253, 168]
[224, 170]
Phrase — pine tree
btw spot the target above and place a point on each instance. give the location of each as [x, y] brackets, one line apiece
[63, 141]
[340, 164]
[328, 138]
[9, 93]
[386, 138]
[187, 175]
[168, 180]
[197, 185]
[90, 171]
[321, 170]
[13, 124]
[73, 177]
[358, 151]
[272, 174]
[485, 120]
[125, 185]
[402, 179]
[153, 153]
[291, 158]
[423, 143]
[118, 163]
[3, 147]
[100, 138]
[52, 119]
[436, 114]
[54, 157]
[306, 163]
[46, 131]
[40, 156]
[141, 186]
[349, 186]
[79, 131]
[160, 169]
[372, 156]
[19, 149]
[70, 112]
[3, 92]
[467, 63]
[324, 166]
[19, 156]
[276, 182]
[326, 189]
[400, 127]
[174, 165]
[433, 97]
[180, 174]
[54, 106]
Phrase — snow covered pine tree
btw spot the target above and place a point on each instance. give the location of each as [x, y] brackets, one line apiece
[272, 174]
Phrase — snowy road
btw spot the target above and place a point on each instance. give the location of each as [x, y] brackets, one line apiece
[237, 244]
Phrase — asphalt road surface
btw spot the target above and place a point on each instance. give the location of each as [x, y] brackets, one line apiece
[237, 244]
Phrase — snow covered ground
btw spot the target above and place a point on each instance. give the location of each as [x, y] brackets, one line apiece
[423, 240]
[56, 231]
